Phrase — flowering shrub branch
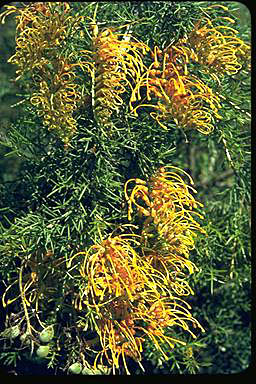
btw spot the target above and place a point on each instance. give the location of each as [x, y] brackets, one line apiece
[42, 31]
[134, 282]
[129, 286]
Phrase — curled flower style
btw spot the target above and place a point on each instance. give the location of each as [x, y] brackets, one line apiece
[133, 298]
[165, 192]
[57, 99]
[215, 45]
[151, 318]
[118, 339]
[116, 276]
[170, 227]
[162, 314]
[116, 64]
[26, 14]
[134, 283]
[113, 268]
[181, 96]
[42, 31]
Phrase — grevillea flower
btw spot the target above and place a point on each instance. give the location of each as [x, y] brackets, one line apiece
[115, 277]
[134, 283]
[168, 234]
[118, 338]
[123, 326]
[113, 269]
[56, 100]
[42, 30]
[180, 97]
[161, 314]
[171, 225]
[216, 45]
[165, 192]
[116, 63]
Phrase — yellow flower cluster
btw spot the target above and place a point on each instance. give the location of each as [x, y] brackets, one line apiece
[57, 99]
[170, 226]
[42, 29]
[216, 45]
[134, 282]
[113, 269]
[116, 64]
[180, 96]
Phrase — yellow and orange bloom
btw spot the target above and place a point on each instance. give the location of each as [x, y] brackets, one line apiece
[215, 44]
[160, 315]
[180, 97]
[171, 222]
[218, 48]
[150, 318]
[116, 64]
[114, 268]
[134, 283]
[165, 193]
[118, 339]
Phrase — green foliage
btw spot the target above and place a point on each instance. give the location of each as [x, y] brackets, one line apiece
[56, 200]
[10, 358]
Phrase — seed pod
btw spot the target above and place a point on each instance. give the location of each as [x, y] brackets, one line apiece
[101, 370]
[43, 351]
[88, 371]
[75, 368]
[47, 334]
